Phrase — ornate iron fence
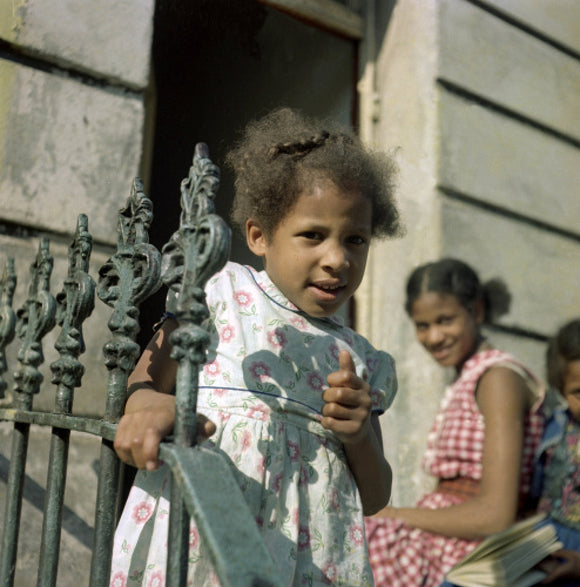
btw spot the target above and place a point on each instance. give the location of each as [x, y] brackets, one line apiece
[204, 487]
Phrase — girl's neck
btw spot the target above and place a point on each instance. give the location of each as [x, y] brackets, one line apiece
[480, 344]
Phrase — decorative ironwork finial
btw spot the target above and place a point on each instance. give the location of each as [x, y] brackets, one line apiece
[75, 303]
[35, 319]
[7, 317]
[198, 249]
[130, 276]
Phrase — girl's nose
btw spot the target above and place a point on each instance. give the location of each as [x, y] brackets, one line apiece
[435, 335]
[335, 257]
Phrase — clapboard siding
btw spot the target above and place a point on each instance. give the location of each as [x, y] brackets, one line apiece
[558, 20]
[500, 161]
[540, 268]
[500, 63]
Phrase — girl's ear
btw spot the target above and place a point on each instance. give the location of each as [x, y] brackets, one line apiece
[255, 238]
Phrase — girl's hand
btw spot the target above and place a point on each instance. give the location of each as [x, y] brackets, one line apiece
[562, 564]
[141, 431]
[347, 411]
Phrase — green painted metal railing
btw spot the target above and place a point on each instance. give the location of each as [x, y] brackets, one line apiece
[204, 486]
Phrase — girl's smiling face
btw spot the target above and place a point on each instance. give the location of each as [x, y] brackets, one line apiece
[446, 328]
[316, 255]
[571, 388]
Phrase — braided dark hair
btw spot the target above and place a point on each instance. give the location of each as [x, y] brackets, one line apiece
[454, 277]
[299, 148]
[563, 348]
[283, 153]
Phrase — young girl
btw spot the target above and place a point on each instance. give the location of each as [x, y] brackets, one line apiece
[481, 444]
[288, 393]
[557, 475]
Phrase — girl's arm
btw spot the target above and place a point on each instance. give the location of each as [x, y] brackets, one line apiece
[503, 399]
[150, 409]
[347, 412]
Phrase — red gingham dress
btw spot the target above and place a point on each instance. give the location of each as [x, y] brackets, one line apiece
[403, 556]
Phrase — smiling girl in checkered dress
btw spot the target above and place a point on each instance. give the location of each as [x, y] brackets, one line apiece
[481, 445]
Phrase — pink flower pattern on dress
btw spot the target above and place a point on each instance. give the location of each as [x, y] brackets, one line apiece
[334, 351]
[212, 369]
[277, 338]
[298, 322]
[334, 500]
[243, 298]
[245, 440]
[227, 333]
[293, 451]
[315, 381]
[142, 512]
[357, 534]
[259, 413]
[119, 579]
[330, 572]
[193, 538]
[277, 483]
[157, 579]
[303, 538]
[260, 370]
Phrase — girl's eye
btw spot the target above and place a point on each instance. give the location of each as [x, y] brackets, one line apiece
[446, 320]
[357, 240]
[311, 235]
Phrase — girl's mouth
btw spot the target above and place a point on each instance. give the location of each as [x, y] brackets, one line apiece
[327, 291]
[441, 354]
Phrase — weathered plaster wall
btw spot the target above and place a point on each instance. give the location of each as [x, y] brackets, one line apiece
[482, 103]
[74, 78]
[406, 125]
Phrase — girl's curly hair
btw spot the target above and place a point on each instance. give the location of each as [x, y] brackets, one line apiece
[280, 155]
[563, 348]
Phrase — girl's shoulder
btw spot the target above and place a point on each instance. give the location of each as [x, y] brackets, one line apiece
[482, 361]
[231, 277]
[231, 272]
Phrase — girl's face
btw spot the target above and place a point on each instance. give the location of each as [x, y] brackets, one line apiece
[571, 388]
[447, 329]
[316, 256]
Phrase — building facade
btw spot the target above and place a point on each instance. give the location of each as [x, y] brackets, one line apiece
[477, 100]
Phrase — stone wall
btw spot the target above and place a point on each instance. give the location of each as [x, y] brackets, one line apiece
[74, 78]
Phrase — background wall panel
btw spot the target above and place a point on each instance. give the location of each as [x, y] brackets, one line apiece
[555, 19]
[498, 160]
[67, 148]
[108, 38]
[540, 268]
[487, 57]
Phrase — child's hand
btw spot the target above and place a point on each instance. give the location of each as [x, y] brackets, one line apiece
[347, 410]
[560, 565]
[140, 432]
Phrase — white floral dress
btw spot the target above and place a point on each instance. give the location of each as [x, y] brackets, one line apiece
[262, 386]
